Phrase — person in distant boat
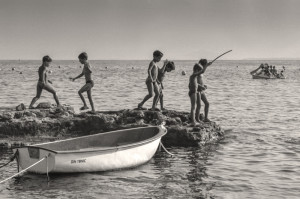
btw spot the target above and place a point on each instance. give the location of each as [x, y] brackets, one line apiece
[274, 71]
[160, 77]
[151, 80]
[194, 94]
[43, 82]
[87, 72]
[201, 88]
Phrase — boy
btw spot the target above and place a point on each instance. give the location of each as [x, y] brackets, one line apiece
[87, 72]
[201, 89]
[151, 80]
[160, 77]
[43, 82]
[193, 91]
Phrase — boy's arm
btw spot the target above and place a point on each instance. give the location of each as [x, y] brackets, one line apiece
[78, 76]
[164, 66]
[205, 67]
[151, 65]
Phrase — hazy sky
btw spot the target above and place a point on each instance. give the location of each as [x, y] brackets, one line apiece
[133, 29]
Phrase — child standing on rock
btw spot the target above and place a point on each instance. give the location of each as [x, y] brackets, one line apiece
[193, 91]
[87, 72]
[160, 77]
[43, 82]
[151, 80]
[201, 88]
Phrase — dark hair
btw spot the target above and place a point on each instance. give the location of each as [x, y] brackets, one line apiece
[203, 62]
[157, 53]
[170, 65]
[83, 56]
[197, 67]
[47, 59]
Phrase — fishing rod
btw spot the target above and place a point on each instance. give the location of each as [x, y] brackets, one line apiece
[220, 56]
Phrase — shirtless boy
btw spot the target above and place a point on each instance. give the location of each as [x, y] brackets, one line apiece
[87, 72]
[151, 80]
[193, 91]
[201, 89]
[43, 82]
[160, 77]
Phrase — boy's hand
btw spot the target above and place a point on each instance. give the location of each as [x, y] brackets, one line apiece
[209, 63]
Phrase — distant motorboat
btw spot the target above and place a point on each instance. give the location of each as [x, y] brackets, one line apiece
[263, 76]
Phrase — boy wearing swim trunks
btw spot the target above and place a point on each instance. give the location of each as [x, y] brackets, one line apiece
[202, 96]
[160, 77]
[87, 73]
[151, 80]
[193, 91]
[43, 82]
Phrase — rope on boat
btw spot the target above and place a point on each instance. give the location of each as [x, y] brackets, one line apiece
[161, 144]
[26, 169]
[10, 160]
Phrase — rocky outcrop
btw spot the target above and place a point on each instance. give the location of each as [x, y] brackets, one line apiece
[50, 123]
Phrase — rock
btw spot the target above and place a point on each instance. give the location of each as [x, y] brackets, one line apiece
[20, 107]
[63, 122]
[6, 116]
[44, 105]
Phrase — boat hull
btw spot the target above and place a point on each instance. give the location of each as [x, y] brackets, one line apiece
[102, 159]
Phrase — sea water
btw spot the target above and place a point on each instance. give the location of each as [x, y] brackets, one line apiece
[258, 158]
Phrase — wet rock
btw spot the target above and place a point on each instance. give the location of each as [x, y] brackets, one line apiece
[44, 105]
[63, 122]
[20, 107]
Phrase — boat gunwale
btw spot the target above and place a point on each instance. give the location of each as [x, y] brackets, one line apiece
[162, 132]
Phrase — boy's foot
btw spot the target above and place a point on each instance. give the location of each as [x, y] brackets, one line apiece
[201, 117]
[194, 124]
[163, 109]
[206, 120]
[140, 106]
[84, 108]
[31, 107]
[92, 112]
[154, 109]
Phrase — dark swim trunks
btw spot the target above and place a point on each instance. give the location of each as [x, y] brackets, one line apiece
[191, 92]
[90, 82]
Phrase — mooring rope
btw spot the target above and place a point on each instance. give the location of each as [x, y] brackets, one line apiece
[161, 144]
[11, 159]
[25, 170]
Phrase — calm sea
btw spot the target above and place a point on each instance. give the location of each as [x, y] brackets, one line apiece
[259, 157]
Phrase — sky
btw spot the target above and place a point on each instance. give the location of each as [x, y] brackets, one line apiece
[133, 29]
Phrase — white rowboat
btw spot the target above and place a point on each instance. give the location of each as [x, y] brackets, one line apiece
[99, 152]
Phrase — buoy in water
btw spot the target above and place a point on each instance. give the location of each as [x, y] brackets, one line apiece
[132, 67]
[183, 72]
[50, 71]
[58, 66]
[13, 69]
[105, 67]
[21, 72]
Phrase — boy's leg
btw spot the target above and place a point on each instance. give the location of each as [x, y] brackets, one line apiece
[150, 94]
[156, 91]
[89, 94]
[198, 107]
[161, 99]
[193, 99]
[39, 90]
[48, 88]
[86, 87]
[206, 106]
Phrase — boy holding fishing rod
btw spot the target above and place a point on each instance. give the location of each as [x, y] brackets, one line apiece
[87, 72]
[200, 94]
[43, 82]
